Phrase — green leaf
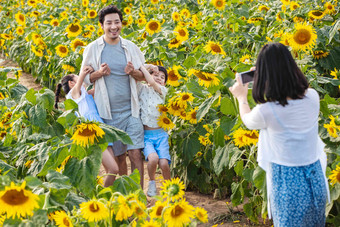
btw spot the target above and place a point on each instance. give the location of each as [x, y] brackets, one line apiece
[227, 124]
[73, 200]
[57, 180]
[259, 177]
[248, 174]
[30, 96]
[227, 107]
[239, 168]
[125, 185]
[333, 31]
[236, 196]
[221, 159]
[37, 116]
[70, 104]
[189, 62]
[235, 156]
[219, 140]
[191, 146]
[206, 105]
[113, 134]
[33, 182]
[46, 99]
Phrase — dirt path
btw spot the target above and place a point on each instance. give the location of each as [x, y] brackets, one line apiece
[219, 211]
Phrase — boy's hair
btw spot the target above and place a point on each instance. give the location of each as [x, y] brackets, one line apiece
[64, 85]
[277, 76]
[161, 68]
[108, 10]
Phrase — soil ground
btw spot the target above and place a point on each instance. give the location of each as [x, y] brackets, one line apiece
[220, 212]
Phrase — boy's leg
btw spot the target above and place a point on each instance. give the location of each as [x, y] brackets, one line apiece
[152, 165]
[110, 166]
[164, 165]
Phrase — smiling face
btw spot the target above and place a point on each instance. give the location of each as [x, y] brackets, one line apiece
[159, 78]
[112, 26]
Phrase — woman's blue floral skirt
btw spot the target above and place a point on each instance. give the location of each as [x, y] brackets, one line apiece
[298, 196]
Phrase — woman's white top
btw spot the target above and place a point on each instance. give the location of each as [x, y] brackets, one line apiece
[149, 99]
[288, 134]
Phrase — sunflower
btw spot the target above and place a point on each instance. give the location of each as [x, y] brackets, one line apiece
[335, 175]
[204, 140]
[244, 137]
[62, 219]
[85, 3]
[285, 2]
[214, 48]
[40, 43]
[183, 115]
[329, 8]
[254, 20]
[174, 76]
[245, 59]
[181, 33]
[55, 22]
[165, 122]
[17, 201]
[192, 118]
[37, 51]
[2, 42]
[263, 8]
[316, 14]
[174, 108]
[175, 16]
[332, 127]
[138, 209]
[219, 4]
[294, 6]
[73, 29]
[317, 54]
[32, 3]
[150, 223]
[28, 164]
[298, 20]
[86, 133]
[62, 50]
[157, 209]
[163, 108]
[63, 15]
[20, 18]
[94, 211]
[172, 189]
[88, 34]
[335, 73]
[279, 16]
[141, 21]
[185, 13]
[91, 14]
[152, 27]
[201, 214]
[124, 210]
[68, 68]
[184, 97]
[205, 79]
[303, 38]
[2, 96]
[178, 214]
[76, 43]
[174, 43]
[20, 30]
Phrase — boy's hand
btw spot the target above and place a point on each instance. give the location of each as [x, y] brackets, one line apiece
[129, 68]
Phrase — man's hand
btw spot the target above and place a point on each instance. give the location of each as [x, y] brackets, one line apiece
[104, 69]
[129, 68]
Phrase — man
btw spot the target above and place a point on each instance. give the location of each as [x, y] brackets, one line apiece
[114, 60]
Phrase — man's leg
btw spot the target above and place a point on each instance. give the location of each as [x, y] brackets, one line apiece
[121, 161]
[110, 166]
[137, 162]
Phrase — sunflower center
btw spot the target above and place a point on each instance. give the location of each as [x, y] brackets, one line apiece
[185, 97]
[216, 48]
[166, 121]
[94, 207]
[153, 26]
[330, 7]
[159, 211]
[66, 222]
[74, 28]
[63, 49]
[202, 76]
[193, 115]
[181, 32]
[338, 177]
[302, 36]
[92, 14]
[251, 135]
[317, 13]
[219, 3]
[172, 76]
[177, 211]
[14, 197]
[295, 6]
[87, 132]
[21, 17]
[174, 189]
[77, 44]
[55, 23]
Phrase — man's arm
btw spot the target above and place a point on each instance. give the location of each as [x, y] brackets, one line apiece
[135, 73]
[103, 71]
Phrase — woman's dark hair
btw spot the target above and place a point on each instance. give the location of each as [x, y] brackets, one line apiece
[161, 68]
[64, 85]
[108, 10]
[277, 76]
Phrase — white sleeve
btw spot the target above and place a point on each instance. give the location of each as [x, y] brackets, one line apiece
[254, 119]
[82, 95]
[164, 91]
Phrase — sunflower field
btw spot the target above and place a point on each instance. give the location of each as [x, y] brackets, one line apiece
[202, 43]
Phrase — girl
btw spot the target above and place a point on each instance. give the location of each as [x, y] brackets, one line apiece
[289, 147]
[73, 87]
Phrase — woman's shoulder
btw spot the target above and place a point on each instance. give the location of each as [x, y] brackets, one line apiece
[311, 93]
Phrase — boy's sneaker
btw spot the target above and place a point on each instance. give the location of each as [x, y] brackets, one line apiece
[152, 190]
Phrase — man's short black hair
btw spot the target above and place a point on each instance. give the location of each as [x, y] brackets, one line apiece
[108, 10]
[277, 76]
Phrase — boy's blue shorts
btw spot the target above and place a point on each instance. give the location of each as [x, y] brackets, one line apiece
[156, 141]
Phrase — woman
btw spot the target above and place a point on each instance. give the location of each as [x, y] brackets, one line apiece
[289, 147]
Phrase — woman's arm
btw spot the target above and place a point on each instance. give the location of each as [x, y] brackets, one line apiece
[240, 92]
[150, 80]
[76, 90]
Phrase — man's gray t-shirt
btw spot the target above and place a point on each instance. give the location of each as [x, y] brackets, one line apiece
[118, 82]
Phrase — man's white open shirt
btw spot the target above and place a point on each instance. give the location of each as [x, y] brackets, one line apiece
[92, 57]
